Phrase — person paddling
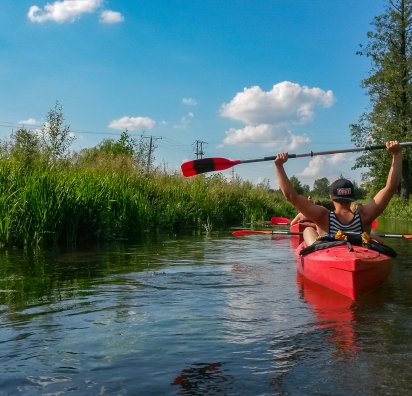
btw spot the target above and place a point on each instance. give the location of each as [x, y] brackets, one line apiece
[342, 195]
[300, 217]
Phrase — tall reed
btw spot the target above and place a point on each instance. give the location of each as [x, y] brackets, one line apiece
[110, 199]
[77, 203]
[399, 208]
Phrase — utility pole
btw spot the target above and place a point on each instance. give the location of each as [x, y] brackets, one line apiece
[199, 148]
[152, 139]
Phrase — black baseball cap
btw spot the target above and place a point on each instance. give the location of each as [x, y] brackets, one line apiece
[342, 190]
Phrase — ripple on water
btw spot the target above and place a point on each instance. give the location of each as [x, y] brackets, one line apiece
[200, 316]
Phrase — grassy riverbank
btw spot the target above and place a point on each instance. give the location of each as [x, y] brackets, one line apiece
[399, 209]
[110, 193]
[72, 203]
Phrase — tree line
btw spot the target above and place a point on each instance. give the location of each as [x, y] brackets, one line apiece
[321, 188]
[389, 87]
[51, 144]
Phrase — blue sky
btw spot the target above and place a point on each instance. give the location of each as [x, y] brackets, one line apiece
[249, 78]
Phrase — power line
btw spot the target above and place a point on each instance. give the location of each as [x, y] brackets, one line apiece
[199, 148]
[152, 139]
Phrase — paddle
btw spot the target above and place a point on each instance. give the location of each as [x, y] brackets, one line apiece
[404, 236]
[279, 220]
[265, 232]
[285, 221]
[195, 167]
[275, 232]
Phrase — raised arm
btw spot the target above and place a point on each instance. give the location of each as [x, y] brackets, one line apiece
[297, 219]
[315, 213]
[378, 204]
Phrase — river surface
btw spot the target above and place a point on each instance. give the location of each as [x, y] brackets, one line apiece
[198, 315]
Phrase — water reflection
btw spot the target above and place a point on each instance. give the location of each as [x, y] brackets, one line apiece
[201, 379]
[194, 316]
[52, 276]
[295, 240]
[334, 313]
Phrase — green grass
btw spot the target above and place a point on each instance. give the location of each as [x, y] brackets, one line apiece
[41, 205]
[399, 208]
[78, 202]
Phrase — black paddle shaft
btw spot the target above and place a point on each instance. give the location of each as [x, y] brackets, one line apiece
[315, 153]
[195, 167]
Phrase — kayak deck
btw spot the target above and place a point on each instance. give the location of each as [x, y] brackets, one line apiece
[299, 227]
[350, 273]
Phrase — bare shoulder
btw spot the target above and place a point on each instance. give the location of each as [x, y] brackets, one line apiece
[369, 211]
[316, 213]
[323, 220]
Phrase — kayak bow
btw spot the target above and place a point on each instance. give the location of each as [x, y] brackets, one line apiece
[351, 272]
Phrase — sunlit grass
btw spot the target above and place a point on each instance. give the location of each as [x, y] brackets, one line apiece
[399, 208]
[111, 199]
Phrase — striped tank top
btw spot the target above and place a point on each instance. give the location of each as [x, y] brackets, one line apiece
[335, 225]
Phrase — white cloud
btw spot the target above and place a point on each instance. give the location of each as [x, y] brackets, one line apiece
[189, 102]
[315, 167]
[185, 121]
[111, 17]
[248, 134]
[29, 121]
[268, 116]
[322, 165]
[133, 123]
[339, 158]
[267, 135]
[297, 141]
[285, 102]
[63, 11]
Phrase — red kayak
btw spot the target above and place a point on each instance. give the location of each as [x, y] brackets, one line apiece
[350, 273]
[299, 227]
[295, 240]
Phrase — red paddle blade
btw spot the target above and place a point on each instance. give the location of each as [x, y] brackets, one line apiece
[195, 167]
[405, 236]
[374, 224]
[249, 232]
[279, 220]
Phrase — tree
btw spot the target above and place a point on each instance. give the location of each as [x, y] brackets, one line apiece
[125, 145]
[389, 87]
[25, 146]
[137, 150]
[321, 187]
[264, 184]
[297, 185]
[306, 189]
[56, 138]
[360, 192]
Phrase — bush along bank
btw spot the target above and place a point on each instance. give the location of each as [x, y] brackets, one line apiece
[68, 204]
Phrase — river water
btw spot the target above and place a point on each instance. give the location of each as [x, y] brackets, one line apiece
[198, 315]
